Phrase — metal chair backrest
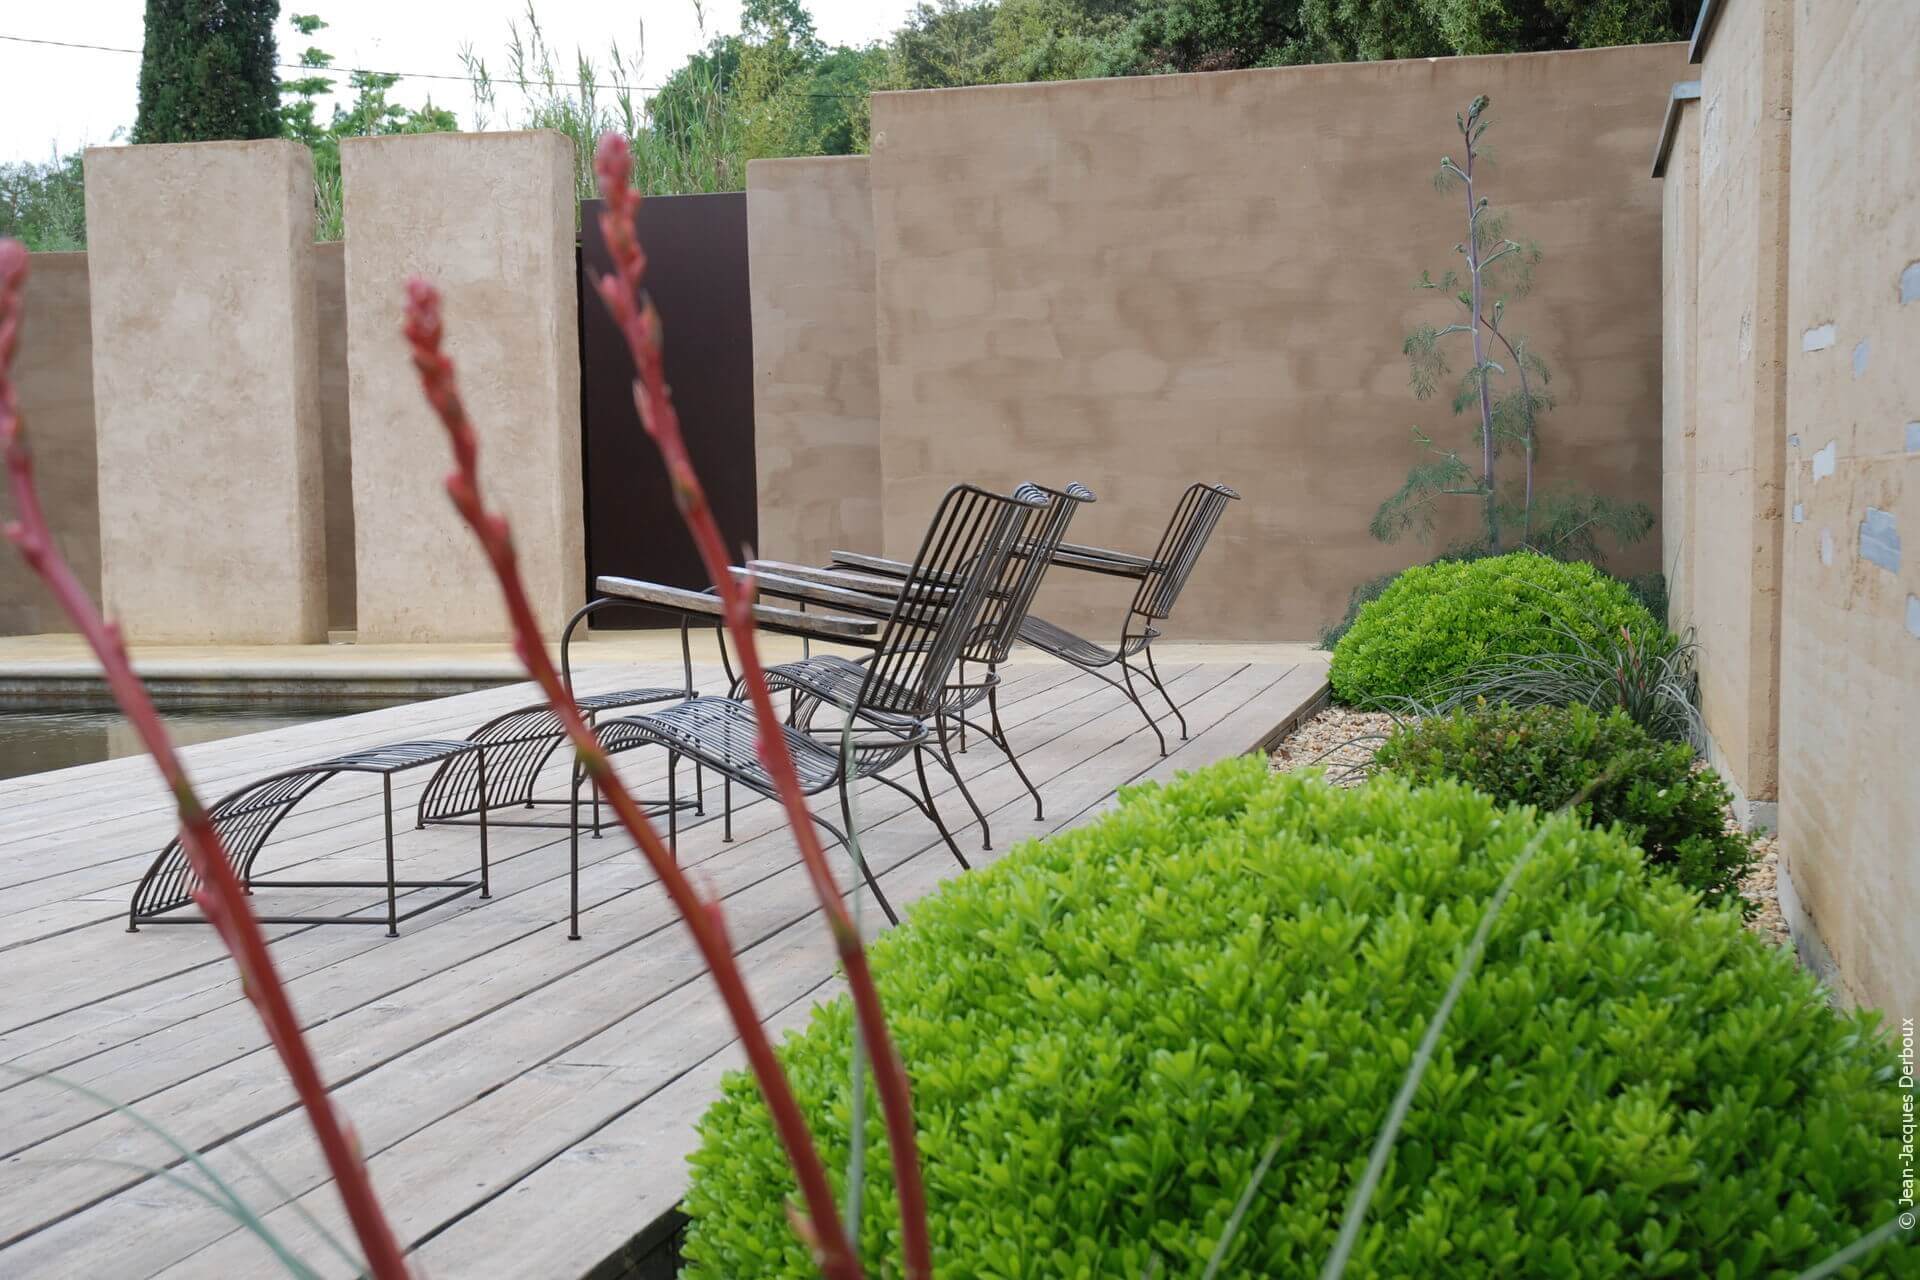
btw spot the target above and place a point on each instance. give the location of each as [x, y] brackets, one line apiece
[960, 561]
[1006, 608]
[1180, 547]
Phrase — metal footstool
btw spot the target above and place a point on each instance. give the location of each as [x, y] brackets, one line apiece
[245, 818]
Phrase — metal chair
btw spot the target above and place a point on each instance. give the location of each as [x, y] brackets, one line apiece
[929, 623]
[834, 680]
[1161, 580]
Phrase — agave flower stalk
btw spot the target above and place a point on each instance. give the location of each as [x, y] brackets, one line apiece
[640, 325]
[818, 1223]
[218, 893]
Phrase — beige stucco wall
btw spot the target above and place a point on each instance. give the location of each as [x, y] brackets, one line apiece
[1679, 292]
[1138, 283]
[336, 444]
[1850, 637]
[489, 218]
[53, 377]
[816, 394]
[1740, 363]
[205, 391]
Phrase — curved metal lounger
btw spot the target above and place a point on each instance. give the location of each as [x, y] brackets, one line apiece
[522, 741]
[247, 817]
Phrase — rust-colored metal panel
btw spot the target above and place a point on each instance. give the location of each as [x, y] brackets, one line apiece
[697, 273]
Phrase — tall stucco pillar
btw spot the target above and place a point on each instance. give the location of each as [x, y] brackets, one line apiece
[1850, 625]
[1677, 166]
[53, 378]
[489, 218]
[205, 392]
[816, 389]
[1740, 423]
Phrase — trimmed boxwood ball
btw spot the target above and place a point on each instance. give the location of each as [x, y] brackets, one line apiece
[1106, 1029]
[1551, 756]
[1437, 621]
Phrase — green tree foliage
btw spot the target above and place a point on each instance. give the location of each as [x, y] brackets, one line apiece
[370, 114]
[1209, 35]
[1108, 1028]
[955, 42]
[1217, 35]
[775, 89]
[44, 206]
[207, 71]
[942, 46]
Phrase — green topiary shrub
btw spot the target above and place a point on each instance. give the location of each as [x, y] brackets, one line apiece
[1105, 1030]
[1436, 621]
[1548, 756]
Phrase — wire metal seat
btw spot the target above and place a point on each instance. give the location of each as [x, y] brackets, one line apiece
[931, 621]
[521, 742]
[246, 817]
[1161, 580]
[1079, 650]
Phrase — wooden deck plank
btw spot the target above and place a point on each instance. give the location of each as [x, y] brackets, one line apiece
[503, 1081]
[633, 1166]
[52, 904]
[366, 973]
[631, 1040]
[229, 1101]
[751, 826]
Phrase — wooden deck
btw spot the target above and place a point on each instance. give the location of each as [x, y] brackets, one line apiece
[526, 1102]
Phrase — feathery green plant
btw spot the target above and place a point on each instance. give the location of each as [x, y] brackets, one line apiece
[1495, 270]
[1648, 675]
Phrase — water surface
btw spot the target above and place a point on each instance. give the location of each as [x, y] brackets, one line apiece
[37, 741]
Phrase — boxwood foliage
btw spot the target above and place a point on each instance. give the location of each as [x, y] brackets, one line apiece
[1106, 1029]
[1551, 756]
[1436, 621]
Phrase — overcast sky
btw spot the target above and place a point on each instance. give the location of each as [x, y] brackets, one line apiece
[69, 98]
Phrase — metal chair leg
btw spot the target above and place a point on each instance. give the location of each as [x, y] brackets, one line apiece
[960, 783]
[486, 890]
[573, 852]
[933, 811]
[1126, 673]
[673, 804]
[726, 824]
[963, 723]
[393, 908]
[846, 842]
[699, 790]
[1153, 674]
[1000, 740]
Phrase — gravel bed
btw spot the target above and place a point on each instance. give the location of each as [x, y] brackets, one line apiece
[1339, 738]
[1762, 888]
[1344, 741]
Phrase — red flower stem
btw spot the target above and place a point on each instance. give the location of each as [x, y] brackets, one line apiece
[640, 325]
[820, 1226]
[219, 893]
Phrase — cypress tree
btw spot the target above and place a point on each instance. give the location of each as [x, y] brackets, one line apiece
[207, 71]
